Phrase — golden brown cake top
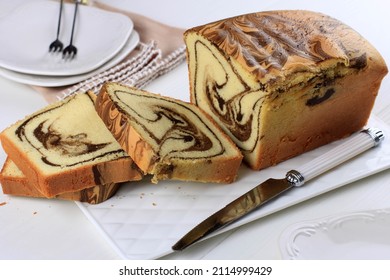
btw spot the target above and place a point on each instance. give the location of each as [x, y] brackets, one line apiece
[269, 43]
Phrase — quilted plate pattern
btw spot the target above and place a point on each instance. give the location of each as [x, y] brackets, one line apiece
[143, 220]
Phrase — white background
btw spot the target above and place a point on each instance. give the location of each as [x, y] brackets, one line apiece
[38, 229]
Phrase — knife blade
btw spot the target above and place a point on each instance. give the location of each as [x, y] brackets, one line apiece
[273, 188]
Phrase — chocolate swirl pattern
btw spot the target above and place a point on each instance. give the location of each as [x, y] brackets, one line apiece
[59, 146]
[174, 130]
[166, 137]
[266, 41]
[97, 194]
[65, 147]
[115, 121]
[264, 76]
[227, 97]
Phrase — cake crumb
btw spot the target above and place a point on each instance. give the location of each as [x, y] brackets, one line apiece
[35, 212]
[3, 203]
[154, 204]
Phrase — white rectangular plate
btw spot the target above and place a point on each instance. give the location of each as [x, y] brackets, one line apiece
[143, 220]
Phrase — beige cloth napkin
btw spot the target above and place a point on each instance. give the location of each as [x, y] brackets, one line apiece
[136, 71]
[161, 49]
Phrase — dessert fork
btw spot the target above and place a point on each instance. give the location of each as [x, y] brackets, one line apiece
[70, 51]
[57, 45]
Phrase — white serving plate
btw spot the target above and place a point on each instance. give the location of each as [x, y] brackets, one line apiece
[143, 220]
[57, 81]
[27, 31]
[361, 235]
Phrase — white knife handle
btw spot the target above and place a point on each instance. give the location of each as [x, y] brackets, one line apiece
[357, 144]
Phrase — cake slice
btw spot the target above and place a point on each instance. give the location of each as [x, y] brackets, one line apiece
[65, 147]
[168, 138]
[283, 82]
[15, 183]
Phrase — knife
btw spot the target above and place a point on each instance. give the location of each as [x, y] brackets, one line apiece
[272, 188]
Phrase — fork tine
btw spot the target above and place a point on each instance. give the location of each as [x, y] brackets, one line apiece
[69, 52]
[55, 46]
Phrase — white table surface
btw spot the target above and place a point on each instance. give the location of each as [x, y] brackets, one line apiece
[42, 229]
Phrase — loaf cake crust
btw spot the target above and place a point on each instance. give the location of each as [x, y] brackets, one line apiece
[168, 138]
[65, 147]
[283, 82]
[13, 182]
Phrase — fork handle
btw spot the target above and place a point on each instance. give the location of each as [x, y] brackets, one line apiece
[74, 20]
[357, 144]
[59, 19]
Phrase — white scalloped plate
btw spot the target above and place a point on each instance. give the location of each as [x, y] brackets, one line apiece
[143, 220]
[57, 81]
[363, 235]
[28, 30]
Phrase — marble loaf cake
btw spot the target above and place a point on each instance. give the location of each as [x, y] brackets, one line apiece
[65, 147]
[283, 82]
[168, 138]
[13, 182]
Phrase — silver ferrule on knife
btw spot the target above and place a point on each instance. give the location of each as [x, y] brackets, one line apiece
[272, 188]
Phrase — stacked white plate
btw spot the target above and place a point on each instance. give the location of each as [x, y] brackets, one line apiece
[103, 39]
